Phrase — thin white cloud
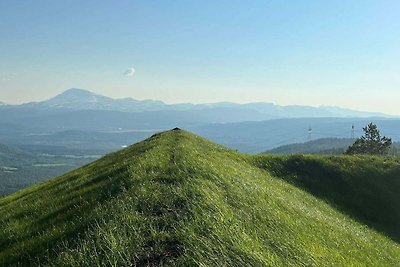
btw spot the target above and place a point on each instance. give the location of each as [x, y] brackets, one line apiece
[129, 72]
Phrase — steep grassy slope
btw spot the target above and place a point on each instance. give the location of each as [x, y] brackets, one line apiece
[177, 199]
[366, 187]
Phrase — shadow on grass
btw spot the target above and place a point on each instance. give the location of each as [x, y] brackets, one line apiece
[366, 189]
[72, 215]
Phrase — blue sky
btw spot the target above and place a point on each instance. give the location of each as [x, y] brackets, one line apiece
[343, 53]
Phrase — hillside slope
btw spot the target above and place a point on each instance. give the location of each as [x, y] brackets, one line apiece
[178, 199]
[365, 187]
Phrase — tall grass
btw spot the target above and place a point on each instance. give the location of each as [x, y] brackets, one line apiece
[365, 187]
[177, 199]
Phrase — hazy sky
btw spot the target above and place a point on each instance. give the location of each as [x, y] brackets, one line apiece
[344, 53]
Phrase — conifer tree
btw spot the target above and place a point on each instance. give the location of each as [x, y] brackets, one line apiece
[371, 143]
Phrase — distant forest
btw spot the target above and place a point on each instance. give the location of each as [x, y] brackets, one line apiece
[332, 146]
[20, 169]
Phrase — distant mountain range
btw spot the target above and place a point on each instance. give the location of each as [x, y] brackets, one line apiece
[79, 99]
[79, 122]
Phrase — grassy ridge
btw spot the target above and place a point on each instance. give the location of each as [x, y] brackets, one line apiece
[366, 187]
[177, 199]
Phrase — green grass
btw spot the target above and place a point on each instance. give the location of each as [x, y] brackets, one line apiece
[365, 187]
[178, 199]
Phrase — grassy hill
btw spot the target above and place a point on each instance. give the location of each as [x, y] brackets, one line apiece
[178, 199]
[365, 187]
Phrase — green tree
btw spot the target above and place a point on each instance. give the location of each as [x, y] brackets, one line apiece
[371, 143]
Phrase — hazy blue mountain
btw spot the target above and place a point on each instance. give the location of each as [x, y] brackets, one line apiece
[79, 99]
[297, 111]
[79, 122]
[106, 120]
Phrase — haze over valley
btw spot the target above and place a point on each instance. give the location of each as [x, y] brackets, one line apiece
[78, 126]
[95, 124]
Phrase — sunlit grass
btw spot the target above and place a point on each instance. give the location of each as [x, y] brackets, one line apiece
[177, 199]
